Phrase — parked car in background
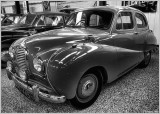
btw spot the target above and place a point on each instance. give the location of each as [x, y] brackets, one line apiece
[28, 25]
[8, 19]
[146, 6]
[97, 46]
[68, 10]
[2, 16]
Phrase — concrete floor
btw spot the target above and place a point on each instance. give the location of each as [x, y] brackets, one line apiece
[137, 91]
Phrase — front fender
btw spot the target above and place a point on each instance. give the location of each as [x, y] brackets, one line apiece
[67, 67]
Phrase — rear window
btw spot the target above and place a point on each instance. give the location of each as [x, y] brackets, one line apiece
[140, 20]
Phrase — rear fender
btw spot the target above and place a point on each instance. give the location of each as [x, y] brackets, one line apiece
[150, 41]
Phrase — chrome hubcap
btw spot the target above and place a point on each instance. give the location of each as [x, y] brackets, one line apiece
[88, 88]
[147, 58]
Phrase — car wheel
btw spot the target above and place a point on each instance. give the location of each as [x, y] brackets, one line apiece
[88, 90]
[146, 60]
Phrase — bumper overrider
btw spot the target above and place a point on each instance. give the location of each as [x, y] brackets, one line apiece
[34, 89]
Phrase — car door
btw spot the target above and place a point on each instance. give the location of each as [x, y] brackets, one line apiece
[141, 31]
[123, 35]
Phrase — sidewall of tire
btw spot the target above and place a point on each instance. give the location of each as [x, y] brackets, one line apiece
[78, 105]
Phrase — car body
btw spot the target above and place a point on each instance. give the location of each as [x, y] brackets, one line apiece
[68, 10]
[28, 25]
[147, 6]
[97, 46]
[10, 18]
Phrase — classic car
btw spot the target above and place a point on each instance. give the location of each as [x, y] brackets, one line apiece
[68, 10]
[10, 18]
[97, 46]
[147, 6]
[28, 25]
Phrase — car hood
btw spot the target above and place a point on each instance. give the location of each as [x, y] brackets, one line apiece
[11, 27]
[59, 38]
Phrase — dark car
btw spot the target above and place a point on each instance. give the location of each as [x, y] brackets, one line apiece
[68, 10]
[9, 19]
[28, 25]
[147, 6]
[97, 46]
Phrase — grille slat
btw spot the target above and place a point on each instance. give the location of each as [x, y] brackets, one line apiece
[21, 58]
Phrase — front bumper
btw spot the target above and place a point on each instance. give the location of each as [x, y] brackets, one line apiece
[36, 90]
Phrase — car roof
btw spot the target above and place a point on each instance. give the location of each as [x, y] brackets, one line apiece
[50, 13]
[68, 9]
[108, 8]
[12, 14]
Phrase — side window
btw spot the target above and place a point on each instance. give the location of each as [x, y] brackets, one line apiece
[16, 19]
[93, 20]
[140, 20]
[11, 18]
[125, 19]
[41, 21]
[49, 21]
[57, 21]
[96, 20]
[100, 19]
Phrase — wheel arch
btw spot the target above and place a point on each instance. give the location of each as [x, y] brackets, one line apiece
[100, 70]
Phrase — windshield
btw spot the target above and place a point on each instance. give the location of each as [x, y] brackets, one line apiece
[91, 18]
[27, 19]
[11, 19]
[50, 20]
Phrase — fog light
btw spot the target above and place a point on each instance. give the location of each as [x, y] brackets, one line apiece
[9, 65]
[22, 74]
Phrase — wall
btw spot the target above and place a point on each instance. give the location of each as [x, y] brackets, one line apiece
[8, 6]
[154, 22]
[78, 4]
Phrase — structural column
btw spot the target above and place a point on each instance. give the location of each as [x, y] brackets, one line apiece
[17, 7]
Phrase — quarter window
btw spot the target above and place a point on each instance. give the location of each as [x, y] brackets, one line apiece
[124, 21]
[140, 20]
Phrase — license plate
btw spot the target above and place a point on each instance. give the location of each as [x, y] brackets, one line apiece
[25, 92]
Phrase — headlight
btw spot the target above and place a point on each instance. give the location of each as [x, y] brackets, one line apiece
[11, 52]
[38, 64]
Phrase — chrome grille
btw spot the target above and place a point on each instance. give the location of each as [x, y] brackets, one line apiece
[21, 58]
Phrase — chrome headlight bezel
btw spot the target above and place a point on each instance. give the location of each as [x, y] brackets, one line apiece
[22, 44]
[11, 52]
[38, 64]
